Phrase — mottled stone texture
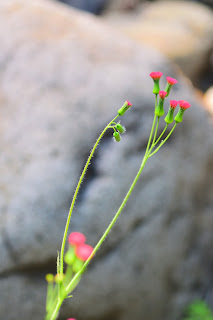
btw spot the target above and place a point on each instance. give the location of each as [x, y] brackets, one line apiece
[182, 30]
[63, 75]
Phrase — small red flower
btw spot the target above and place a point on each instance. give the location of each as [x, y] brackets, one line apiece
[162, 94]
[171, 81]
[173, 104]
[83, 251]
[76, 238]
[184, 104]
[156, 75]
[71, 319]
[128, 103]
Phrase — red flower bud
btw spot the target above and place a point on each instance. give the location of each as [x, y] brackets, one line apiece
[171, 81]
[162, 94]
[173, 104]
[83, 251]
[156, 75]
[76, 238]
[184, 104]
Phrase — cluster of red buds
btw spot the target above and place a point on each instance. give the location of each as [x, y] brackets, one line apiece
[117, 127]
[159, 110]
[78, 251]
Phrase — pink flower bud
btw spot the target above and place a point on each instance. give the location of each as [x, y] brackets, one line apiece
[76, 238]
[156, 78]
[184, 104]
[83, 251]
[162, 94]
[129, 104]
[156, 75]
[71, 319]
[173, 104]
[171, 81]
[124, 108]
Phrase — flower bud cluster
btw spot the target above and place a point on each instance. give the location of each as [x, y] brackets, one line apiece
[118, 129]
[159, 110]
[78, 252]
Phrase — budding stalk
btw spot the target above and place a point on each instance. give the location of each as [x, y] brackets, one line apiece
[169, 118]
[124, 108]
[156, 78]
[159, 111]
[169, 85]
[183, 106]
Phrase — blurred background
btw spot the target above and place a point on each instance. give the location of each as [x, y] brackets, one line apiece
[66, 67]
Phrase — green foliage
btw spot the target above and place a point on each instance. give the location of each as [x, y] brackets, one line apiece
[199, 310]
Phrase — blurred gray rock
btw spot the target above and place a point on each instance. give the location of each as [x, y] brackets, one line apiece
[185, 37]
[93, 6]
[63, 76]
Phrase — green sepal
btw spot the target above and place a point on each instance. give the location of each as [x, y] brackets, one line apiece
[169, 117]
[77, 265]
[159, 111]
[70, 256]
[117, 136]
[124, 108]
[168, 88]
[179, 115]
[62, 291]
[50, 277]
[156, 87]
[120, 128]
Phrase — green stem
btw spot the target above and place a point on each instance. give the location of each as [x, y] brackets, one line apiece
[56, 310]
[161, 135]
[76, 192]
[162, 143]
[156, 130]
[153, 125]
[76, 278]
[146, 156]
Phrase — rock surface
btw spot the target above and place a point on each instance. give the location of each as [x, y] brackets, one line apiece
[61, 82]
[182, 30]
[93, 6]
[208, 98]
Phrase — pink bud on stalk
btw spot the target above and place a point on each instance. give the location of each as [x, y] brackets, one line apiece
[169, 118]
[156, 78]
[124, 108]
[183, 106]
[76, 238]
[159, 109]
[170, 83]
[83, 251]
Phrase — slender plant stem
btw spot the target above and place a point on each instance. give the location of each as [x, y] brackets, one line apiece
[56, 310]
[153, 125]
[162, 143]
[156, 130]
[111, 223]
[145, 158]
[147, 155]
[161, 135]
[76, 192]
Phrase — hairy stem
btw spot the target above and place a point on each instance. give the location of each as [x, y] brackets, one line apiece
[76, 193]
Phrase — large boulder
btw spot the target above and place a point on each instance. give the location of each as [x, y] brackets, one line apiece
[182, 30]
[93, 6]
[63, 76]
